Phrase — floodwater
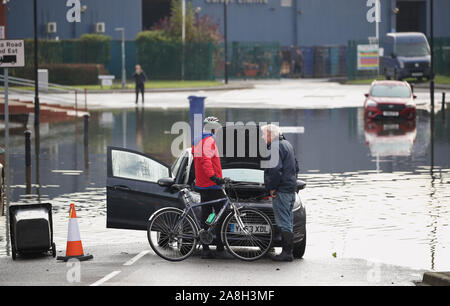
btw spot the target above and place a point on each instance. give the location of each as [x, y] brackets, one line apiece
[375, 191]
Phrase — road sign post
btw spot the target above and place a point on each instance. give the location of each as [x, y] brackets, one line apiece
[12, 54]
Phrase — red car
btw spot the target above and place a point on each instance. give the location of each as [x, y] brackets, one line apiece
[390, 99]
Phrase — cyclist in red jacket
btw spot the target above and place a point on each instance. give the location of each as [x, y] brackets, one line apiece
[209, 180]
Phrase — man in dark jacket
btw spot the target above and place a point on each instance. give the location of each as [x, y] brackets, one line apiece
[281, 181]
[140, 77]
[208, 181]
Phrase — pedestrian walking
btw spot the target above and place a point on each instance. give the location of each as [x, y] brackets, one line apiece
[209, 181]
[298, 67]
[140, 77]
[281, 180]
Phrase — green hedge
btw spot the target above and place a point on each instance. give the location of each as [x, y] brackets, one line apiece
[50, 51]
[65, 74]
[94, 48]
[90, 48]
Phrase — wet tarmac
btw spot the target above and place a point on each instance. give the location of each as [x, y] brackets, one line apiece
[375, 191]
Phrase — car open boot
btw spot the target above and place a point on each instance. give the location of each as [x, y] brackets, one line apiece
[286, 253]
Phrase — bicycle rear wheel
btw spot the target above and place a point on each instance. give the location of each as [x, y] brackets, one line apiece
[170, 238]
[248, 236]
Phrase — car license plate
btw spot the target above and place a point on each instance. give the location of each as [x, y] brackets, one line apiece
[390, 114]
[417, 74]
[389, 127]
[251, 228]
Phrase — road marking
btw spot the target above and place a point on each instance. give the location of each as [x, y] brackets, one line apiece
[106, 278]
[136, 258]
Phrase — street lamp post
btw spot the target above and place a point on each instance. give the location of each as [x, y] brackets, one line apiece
[377, 32]
[225, 34]
[432, 54]
[183, 35]
[36, 84]
[124, 73]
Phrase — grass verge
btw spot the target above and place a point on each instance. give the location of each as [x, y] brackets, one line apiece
[148, 85]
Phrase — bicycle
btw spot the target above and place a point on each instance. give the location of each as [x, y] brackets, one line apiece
[174, 234]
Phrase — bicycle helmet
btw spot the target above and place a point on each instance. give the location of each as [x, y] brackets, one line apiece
[212, 123]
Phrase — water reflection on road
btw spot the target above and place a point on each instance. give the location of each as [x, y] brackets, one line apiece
[371, 190]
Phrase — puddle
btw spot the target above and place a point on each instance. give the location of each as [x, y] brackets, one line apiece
[374, 190]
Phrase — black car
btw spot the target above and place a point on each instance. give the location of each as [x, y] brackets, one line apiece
[133, 192]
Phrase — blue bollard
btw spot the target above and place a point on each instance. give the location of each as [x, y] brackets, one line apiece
[196, 111]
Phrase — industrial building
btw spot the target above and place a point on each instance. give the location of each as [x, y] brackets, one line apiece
[289, 22]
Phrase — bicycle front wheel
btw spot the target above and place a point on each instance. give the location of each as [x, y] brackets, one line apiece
[171, 237]
[248, 235]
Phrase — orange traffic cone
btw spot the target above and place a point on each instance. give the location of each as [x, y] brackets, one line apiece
[74, 246]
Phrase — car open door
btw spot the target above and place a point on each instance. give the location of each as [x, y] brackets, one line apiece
[133, 193]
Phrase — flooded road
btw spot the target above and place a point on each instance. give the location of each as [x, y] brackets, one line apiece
[375, 191]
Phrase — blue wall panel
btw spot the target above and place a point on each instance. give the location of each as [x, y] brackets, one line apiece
[315, 22]
[115, 13]
[442, 18]
[304, 22]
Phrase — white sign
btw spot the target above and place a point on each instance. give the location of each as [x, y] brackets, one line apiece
[368, 57]
[106, 80]
[12, 53]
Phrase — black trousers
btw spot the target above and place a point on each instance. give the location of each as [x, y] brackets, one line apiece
[211, 195]
[140, 89]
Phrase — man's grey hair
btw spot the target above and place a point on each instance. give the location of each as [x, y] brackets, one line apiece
[274, 130]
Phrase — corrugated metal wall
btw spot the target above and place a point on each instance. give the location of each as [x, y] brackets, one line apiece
[115, 13]
[289, 22]
[311, 22]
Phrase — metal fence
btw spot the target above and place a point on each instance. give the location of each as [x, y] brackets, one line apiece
[164, 60]
[114, 65]
[205, 61]
[442, 56]
[353, 72]
[251, 60]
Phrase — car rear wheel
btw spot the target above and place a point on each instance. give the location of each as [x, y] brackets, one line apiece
[299, 248]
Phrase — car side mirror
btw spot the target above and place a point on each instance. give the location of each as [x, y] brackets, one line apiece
[166, 182]
[366, 95]
[300, 185]
[414, 97]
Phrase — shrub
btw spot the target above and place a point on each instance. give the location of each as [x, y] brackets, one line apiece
[49, 51]
[66, 74]
[94, 48]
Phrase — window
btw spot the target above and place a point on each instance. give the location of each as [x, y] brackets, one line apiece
[391, 91]
[176, 165]
[412, 49]
[137, 167]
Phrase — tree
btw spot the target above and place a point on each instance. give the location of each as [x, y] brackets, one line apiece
[198, 29]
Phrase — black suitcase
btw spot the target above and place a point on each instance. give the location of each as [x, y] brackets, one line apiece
[31, 229]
